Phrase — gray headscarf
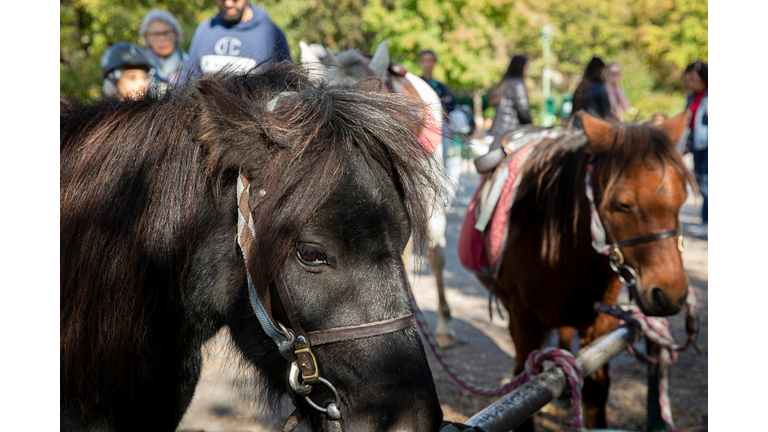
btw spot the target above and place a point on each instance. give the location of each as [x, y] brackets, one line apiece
[164, 16]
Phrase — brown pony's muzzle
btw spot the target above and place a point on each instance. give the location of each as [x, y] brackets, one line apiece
[663, 285]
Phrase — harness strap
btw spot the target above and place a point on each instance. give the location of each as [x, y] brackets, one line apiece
[600, 232]
[341, 334]
[260, 297]
[661, 235]
[295, 345]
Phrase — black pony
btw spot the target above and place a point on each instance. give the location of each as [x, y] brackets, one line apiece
[150, 268]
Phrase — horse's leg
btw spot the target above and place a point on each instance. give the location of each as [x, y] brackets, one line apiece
[565, 342]
[528, 334]
[565, 338]
[446, 336]
[595, 390]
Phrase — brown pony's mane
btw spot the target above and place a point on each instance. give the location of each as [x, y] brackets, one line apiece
[142, 180]
[552, 190]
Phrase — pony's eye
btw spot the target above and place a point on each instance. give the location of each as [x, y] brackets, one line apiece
[311, 255]
[621, 207]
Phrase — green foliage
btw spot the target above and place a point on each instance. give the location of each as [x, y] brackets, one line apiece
[473, 39]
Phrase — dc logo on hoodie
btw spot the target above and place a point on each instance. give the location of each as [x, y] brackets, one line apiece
[227, 46]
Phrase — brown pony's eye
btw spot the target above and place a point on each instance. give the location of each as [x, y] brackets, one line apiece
[311, 255]
[621, 207]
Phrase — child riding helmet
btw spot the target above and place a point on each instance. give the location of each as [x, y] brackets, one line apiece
[117, 57]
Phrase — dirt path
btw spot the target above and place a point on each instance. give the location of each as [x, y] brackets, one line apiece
[485, 354]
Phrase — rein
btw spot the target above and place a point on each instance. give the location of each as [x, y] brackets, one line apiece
[294, 343]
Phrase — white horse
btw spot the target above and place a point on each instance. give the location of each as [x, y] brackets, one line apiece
[350, 66]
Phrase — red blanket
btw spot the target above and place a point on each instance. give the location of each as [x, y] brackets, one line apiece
[480, 251]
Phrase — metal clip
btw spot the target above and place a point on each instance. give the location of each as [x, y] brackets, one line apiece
[293, 378]
[288, 335]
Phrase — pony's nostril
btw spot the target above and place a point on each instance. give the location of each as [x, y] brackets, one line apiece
[661, 301]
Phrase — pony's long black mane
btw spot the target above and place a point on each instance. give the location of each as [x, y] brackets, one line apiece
[140, 178]
[552, 191]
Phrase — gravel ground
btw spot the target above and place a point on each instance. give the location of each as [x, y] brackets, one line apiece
[485, 354]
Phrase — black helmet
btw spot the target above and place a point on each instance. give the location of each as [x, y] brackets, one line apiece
[123, 54]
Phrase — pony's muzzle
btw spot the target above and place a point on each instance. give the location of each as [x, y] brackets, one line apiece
[662, 305]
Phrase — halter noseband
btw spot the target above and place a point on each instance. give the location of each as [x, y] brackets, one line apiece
[600, 234]
[293, 343]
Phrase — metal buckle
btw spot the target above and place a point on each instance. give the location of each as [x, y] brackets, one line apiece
[314, 363]
[680, 243]
[617, 258]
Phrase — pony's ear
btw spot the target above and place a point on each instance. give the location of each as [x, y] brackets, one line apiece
[219, 105]
[380, 61]
[373, 84]
[311, 64]
[331, 55]
[675, 126]
[601, 135]
[226, 126]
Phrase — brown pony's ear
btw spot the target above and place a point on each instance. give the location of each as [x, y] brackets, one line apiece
[675, 126]
[601, 135]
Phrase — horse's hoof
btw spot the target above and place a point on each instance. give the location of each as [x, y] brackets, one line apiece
[445, 341]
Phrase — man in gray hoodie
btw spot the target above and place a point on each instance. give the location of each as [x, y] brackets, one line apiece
[239, 37]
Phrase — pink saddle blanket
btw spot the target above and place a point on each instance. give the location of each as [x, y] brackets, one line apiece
[479, 251]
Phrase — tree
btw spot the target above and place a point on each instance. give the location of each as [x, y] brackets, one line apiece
[473, 39]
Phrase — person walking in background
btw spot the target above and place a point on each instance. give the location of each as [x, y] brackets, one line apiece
[513, 109]
[238, 38]
[695, 77]
[591, 94]
[125, 67]
[427, 61]
[616, 95]
[163, 36]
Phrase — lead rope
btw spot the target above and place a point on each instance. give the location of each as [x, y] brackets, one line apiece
[656, 329]
[533, 367]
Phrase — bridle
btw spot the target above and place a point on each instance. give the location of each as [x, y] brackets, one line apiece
[294, 343]
[600, 235]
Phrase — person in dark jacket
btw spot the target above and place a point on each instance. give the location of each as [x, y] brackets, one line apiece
[591, 94]
[240, 37]
[513, 109]
[427, 61]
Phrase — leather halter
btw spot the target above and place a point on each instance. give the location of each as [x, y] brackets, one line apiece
[294, 343]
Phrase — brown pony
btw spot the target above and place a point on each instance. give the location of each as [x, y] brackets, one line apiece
[551, 276]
